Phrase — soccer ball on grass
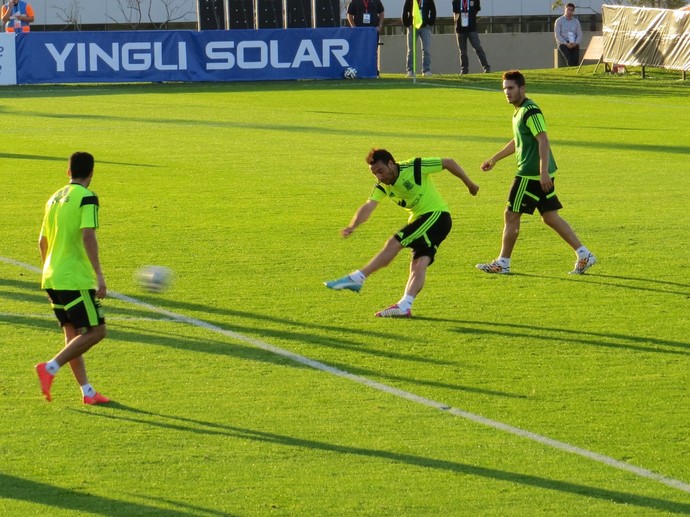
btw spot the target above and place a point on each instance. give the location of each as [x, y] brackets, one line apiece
[154, 279]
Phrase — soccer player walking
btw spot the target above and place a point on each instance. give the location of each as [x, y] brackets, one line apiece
[533, 186]
[409, 185]
[72, 275]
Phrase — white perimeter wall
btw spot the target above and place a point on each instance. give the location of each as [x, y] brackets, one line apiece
[525, 51]
[52, 12]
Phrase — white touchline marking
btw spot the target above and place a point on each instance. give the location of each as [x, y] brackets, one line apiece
[523, 433]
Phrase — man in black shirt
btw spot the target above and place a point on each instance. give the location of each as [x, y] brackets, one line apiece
[465, 15]
[366, 13]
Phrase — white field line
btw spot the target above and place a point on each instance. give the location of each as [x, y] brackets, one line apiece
[523, 433]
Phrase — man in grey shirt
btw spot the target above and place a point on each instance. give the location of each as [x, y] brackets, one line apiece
[568, 35]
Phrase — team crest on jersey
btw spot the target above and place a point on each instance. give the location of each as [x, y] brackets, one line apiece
[408, 185]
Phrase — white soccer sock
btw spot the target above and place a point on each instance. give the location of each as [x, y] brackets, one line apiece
[52, 367]
[405, 303]
[87, 390]
[504, 261]
[582, 252]
[358, 276]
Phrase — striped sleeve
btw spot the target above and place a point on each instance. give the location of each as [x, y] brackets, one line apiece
[534, 120]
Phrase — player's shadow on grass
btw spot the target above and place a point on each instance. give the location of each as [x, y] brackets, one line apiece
[133, 332]
[118, 330]
[25, 285]
[261, 318]
[194, 426]
[623, 282]
[23, 290]
[302, 332]
[319, 130]
[38, 298]
[46, 321]
[506, 331]
[651, 281]
[42, 158]
[380, 376]
[13, 488]
[65, 159]
[587, 146]
[252, 353]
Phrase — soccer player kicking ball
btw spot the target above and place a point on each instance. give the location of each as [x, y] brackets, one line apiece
[408, 184]
[533, 186]
[72, 275]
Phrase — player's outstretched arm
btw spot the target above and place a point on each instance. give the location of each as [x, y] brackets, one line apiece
[509, 149]
[361, 216]
[452, 166]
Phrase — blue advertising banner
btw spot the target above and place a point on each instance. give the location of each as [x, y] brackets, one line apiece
[8, 61]
[236, 55]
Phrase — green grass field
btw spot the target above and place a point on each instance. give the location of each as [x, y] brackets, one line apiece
[242, 189]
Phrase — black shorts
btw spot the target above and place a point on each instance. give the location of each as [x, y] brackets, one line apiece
[526, 195]
[424, 235]
[80, 308]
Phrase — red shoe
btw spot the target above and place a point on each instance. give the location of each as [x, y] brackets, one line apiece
[45, 379]
[393, 312]
[96, 399]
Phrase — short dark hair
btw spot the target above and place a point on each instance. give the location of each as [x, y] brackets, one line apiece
[81, 164]
[379, 155]
[514, 75]
[570, 4]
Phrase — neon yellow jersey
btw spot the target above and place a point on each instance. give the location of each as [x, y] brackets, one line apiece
[414, 189]
[67, 266]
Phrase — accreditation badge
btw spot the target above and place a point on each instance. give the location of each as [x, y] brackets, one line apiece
[464, 19]
[366, 19]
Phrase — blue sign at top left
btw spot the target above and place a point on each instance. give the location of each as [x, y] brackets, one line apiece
[237, 55]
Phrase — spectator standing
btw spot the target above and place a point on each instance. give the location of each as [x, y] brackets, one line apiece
[428, 11]
[465, 16]
[568, 34]
[367, 13]
[17, 15]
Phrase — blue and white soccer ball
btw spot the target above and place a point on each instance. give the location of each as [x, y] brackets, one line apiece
[350, 73]
[154, 279]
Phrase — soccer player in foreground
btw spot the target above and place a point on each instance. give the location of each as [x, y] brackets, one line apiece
[533, 186]
[408, 184]
[72, 275]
